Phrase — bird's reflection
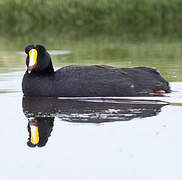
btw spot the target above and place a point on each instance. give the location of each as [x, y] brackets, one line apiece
[41, 112]
[39, 129]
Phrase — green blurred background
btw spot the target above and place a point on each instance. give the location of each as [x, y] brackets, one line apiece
[122, 33]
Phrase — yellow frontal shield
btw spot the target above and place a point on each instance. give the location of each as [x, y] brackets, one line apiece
[32, 57]
[34, 134]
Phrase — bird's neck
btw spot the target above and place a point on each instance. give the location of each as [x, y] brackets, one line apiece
[47, 71]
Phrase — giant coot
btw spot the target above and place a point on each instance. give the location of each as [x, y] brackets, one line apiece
[40, 79]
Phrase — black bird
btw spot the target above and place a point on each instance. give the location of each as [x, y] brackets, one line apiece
[40, 78]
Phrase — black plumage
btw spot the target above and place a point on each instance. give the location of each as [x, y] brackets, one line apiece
[88, 81]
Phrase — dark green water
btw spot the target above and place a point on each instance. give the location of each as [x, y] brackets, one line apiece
[102, 46]
[92, 139]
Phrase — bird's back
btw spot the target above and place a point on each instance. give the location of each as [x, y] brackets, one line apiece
[95, 80]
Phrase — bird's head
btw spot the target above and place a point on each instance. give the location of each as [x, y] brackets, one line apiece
[38, 59]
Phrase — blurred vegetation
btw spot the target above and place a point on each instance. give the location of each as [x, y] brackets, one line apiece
[122, 33]
[135, 13]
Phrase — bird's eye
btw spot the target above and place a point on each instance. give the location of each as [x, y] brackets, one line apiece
[41, 49]
[28, 48]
